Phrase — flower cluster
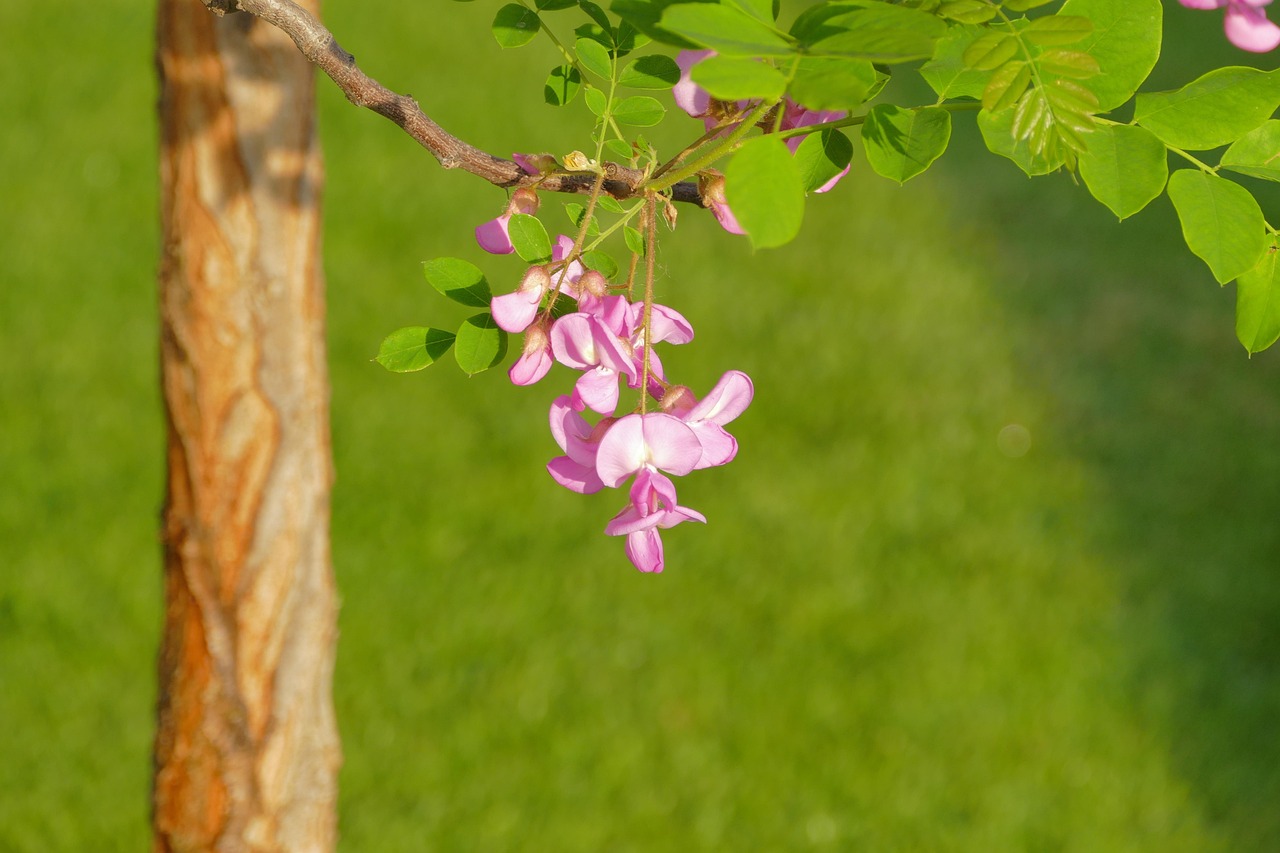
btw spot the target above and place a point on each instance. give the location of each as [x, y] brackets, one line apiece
[609, 340]
[697, 102]
[1246, 23]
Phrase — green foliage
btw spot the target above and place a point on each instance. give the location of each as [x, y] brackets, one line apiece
[1215, 109]
[765, 190]
[1221, 222]
[733, 78]
[725, 29]
[835, 83]
[1257, 153]
[822, 156]
[529, 238]
[650, 72]
[459, 280]
[480, 344]
[901, 144]
[413, 348]
[1258, 302]
[515, 25]
[562, 86]
[1125, 42]
[1125, 168]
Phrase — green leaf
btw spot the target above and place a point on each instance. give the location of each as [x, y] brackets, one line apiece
[650, 72]
[553, 5]
[725, 30]
[645, 16]
[413, 348]
[1125, 42]
[1124, 167]
[1057, 30]
[597, 101]
[1069, 63]
[1006, 86]
[639, 111]
[598, 15]
[1257, 153]
[900, 143]
[761, 10]
[620, 147]
[1212, 110]
[514, 25]
[732, 78]
[529, 238]
[834, 83]
[947, 73]
[576, 213]
[1258, 302]
[764, 190]
[988, 52]
[594, 57]
[562, 85]
[600, 261]
[634, 240]
[880, 33]
[1221, 222]
[968, 11]
[822, 156]
[997, 133]
[459, 280]
[480, 344]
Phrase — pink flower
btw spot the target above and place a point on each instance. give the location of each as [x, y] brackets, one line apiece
[580, 441]
[713, 195]
[513, 312]
[582, 342]
[1245, 23]
[730, 398]
[535, 360]
[653, 505]
[493, 236]
[656, 441]
[647, 445]
[689, 96]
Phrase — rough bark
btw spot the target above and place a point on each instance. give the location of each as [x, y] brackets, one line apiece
[246, 751]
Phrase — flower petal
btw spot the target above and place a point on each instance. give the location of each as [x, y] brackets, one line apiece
[574, 476]
[515, 312]
[1248, 29]
[493, 237]
[730, 398]
[530, 367]
[598, 388]
[622, 451]
[669, 443]
[644, 550]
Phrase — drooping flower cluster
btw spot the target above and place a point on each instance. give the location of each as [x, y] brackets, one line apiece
[609, 340]
[697, 102]
[1245, 23]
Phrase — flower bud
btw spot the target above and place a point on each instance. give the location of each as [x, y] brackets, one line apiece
[594, 283]
[678, 400]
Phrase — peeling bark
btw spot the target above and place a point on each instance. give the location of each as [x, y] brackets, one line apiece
[246, 751]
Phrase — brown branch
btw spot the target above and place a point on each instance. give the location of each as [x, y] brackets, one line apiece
[320, 47]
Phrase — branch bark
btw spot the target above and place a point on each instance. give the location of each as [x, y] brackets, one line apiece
[319, 46]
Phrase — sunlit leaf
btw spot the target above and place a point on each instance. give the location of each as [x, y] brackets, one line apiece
[1212, 110]
[1258, 302]
[459, 280]
[1124, 167]
[1125, 41]
[480, 344]
[413, 348]
[1257, 153]
[733, 78]
[901, 144]
[1221, 222]
[514, 25]
[529, 238]
[764, 191]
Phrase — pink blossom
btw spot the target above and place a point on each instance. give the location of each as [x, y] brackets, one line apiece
[513, 312]
[689, 96]
[582, 342]
[656, 441]
[653, 505]
[713, 195]
[728, 399]
[1245, 23]
[580, 441]
[493, 236]
[535, 360]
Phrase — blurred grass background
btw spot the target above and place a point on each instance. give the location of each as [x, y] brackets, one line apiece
[892, 634]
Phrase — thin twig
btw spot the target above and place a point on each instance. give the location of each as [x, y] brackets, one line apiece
[320, 47]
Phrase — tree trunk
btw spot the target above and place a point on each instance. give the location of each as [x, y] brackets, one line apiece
[246, 751]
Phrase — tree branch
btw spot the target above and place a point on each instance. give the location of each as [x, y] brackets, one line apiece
[320, 47]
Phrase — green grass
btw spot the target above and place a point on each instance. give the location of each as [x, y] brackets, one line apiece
[890, 636]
